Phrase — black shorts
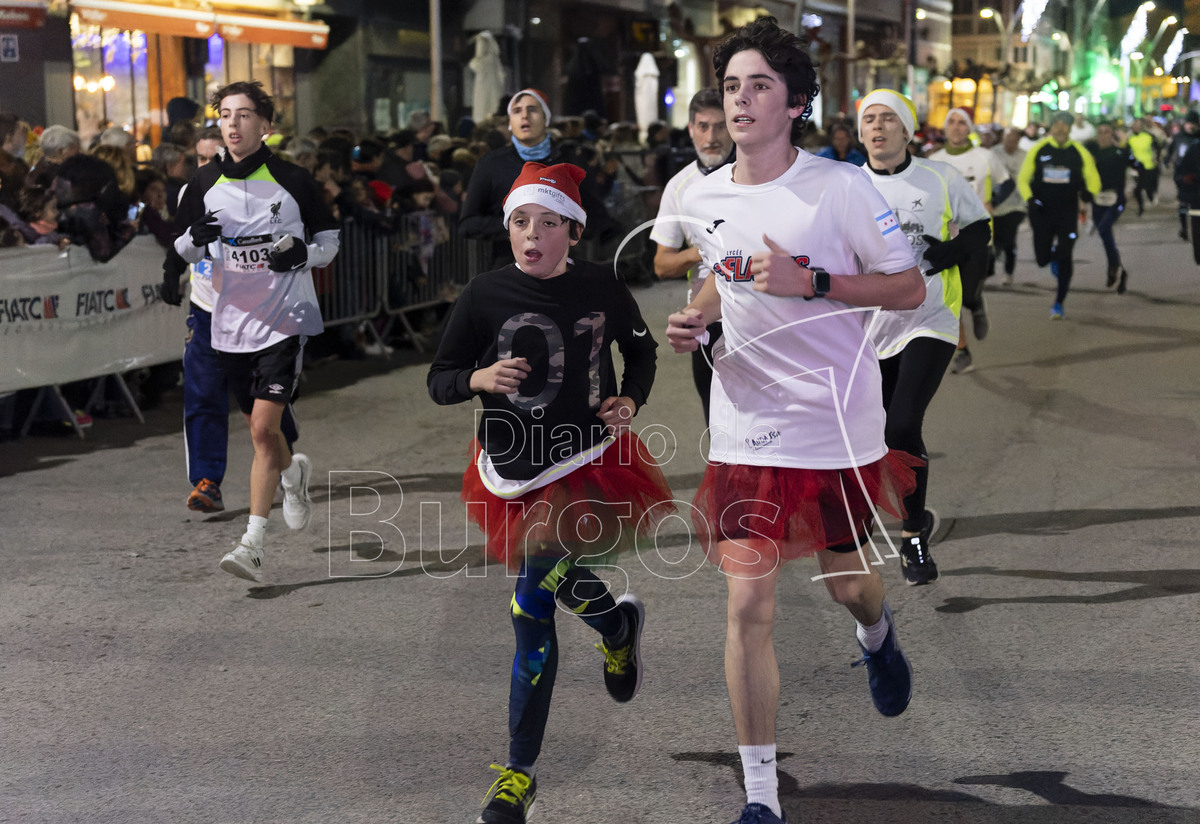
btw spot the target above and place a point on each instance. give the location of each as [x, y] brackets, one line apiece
[270, 374]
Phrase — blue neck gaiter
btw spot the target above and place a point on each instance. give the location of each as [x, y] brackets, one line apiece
[539, 152]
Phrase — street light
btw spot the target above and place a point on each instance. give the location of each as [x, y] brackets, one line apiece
[1006, 36]
[1162, 27]
[1137, 100]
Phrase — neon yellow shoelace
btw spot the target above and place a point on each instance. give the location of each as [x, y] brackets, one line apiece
[512, 785]
[615, 661]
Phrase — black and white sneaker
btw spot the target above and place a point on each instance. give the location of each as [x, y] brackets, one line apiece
[244, 561]
[510, 799]
[623, 665]
[918, 565]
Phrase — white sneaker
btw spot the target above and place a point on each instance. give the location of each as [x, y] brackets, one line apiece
[297, 505]
[245, 561]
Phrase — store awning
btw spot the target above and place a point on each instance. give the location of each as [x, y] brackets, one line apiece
[240, 28]
[22, 14]
[113, 14]
[244, 28]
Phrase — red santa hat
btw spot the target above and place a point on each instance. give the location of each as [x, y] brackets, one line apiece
[554, 187]
[538, 94]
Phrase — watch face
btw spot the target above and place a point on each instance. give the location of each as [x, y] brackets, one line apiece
[820, 282]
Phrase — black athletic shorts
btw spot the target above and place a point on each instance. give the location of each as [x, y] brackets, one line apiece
[270, 374]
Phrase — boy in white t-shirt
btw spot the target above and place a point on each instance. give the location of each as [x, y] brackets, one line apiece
[797, 461]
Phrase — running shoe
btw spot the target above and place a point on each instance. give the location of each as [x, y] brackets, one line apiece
[510, 798]
[297, 505]
[916, 562]
[760, 814]
[206, 497]
[1008, 280]
[889, 673]
[244, 561]
[930, 523]
[979, 320]
[1122, 280]
[962, 362]
[623, 665]
[1056, 312]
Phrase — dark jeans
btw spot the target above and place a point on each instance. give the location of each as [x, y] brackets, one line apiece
[1146, 187]
[1005, 230]
[973, 273]
[910, 380]
[1055, 231]
[702, 367]
[1104, 217]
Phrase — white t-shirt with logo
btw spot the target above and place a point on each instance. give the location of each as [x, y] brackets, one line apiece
[672, 228]
[982, 169]
[928, 198]
[796, 381]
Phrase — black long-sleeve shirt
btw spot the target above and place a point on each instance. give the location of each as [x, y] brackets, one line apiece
[482, 213]
[564, 326]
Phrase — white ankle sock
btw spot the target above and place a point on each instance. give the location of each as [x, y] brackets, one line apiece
[872, 637]
[762, 782]
[291, 475]
[255, 530]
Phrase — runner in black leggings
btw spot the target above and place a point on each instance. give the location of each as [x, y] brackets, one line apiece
[915, 346]
[910, 380]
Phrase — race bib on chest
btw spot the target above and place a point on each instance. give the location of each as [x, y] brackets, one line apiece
[1056, 174]
[247, 255]
[203, 269]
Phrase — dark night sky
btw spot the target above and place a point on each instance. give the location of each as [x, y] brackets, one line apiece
[1121, 8]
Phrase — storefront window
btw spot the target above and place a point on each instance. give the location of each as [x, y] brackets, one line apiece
[110, 81]
[271, 65]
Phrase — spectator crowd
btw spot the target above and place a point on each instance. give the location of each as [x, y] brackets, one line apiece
[430, 180]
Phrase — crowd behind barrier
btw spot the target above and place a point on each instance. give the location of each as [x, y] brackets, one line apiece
[398, 196]
[66, 318]
[389, 273]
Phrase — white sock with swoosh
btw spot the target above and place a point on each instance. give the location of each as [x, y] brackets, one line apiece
[762, 782]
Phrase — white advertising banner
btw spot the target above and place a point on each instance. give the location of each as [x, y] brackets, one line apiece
[64, 317]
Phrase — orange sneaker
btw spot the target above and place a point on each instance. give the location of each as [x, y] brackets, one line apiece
[206, 497]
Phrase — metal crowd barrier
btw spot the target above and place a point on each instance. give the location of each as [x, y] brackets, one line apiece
[388, 274]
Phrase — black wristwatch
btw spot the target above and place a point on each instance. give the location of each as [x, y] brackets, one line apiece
[820, 282]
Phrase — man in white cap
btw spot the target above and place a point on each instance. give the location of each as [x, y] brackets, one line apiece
[991, 182]
[482, 213]
[947, 226]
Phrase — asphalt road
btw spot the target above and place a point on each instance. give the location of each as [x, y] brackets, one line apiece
[1057, 675]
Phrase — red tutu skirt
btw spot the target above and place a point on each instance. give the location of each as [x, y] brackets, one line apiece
[596, 511]
[766, 514]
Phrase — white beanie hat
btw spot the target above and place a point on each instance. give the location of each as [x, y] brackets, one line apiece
[895, 101]
[966, 116]
[536, 94]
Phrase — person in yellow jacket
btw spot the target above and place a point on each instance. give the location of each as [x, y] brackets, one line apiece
[1144, 150]
[1056, 174]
